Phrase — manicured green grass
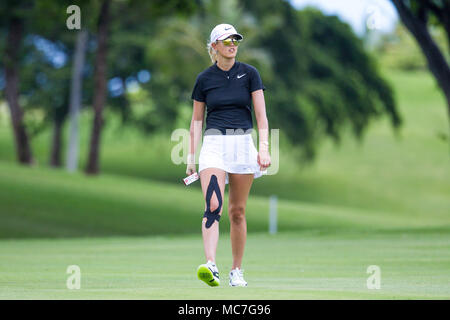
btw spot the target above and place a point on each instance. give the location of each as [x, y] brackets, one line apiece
[286, 266]
[41, 202]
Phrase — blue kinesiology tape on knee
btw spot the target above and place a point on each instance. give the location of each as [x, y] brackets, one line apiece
[214, 215]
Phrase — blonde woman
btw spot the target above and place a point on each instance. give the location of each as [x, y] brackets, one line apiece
[228, 155]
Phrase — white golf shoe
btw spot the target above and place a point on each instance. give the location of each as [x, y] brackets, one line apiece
[237, 278]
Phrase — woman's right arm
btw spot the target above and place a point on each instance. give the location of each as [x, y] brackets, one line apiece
[195, 131]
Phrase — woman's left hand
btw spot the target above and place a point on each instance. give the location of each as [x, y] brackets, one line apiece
[264, 159]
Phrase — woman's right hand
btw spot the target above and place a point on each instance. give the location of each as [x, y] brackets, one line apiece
[191, 167]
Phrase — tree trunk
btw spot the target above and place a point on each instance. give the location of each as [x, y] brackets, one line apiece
[75, 100]
[55, 155]
[436, 61]
[11, 62]
[92, 166]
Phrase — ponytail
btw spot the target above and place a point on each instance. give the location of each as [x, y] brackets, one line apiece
[212, 53]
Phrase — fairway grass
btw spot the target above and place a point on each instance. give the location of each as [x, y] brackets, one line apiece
[305, 265]
[45, 203]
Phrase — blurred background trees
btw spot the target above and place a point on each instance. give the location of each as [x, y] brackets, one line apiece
[417, 16]
[14, 16]
[142, 57]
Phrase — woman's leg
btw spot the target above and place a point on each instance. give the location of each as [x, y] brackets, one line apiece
[213, 187]
[239, 190]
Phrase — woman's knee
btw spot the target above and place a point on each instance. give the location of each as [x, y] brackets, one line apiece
[214, 204]
[213, 194]
[213, 212]
[237, 213]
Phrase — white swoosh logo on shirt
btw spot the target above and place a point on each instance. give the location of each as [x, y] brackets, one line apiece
[240, 76]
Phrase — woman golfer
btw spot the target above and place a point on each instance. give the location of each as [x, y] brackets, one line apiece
[228, 155]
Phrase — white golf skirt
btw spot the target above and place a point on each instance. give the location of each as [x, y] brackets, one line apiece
[235, 153]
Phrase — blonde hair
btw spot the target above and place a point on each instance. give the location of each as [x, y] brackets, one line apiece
[212, 52]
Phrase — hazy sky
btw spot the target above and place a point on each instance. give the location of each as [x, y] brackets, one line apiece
[379, 14]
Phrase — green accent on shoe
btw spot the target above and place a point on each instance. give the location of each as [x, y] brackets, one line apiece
[204, 274]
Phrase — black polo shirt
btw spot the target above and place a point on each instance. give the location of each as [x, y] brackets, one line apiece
[227, 95]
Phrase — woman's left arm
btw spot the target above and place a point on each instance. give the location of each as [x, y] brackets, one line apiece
[263, 129]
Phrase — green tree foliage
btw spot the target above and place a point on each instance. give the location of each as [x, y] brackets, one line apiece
[399, 50]
[324, 80]
[44, 64]
[417, 16]
[318, 77]
[131, 35]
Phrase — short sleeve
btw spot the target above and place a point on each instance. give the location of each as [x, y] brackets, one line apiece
[197, 92]
[255, 81]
